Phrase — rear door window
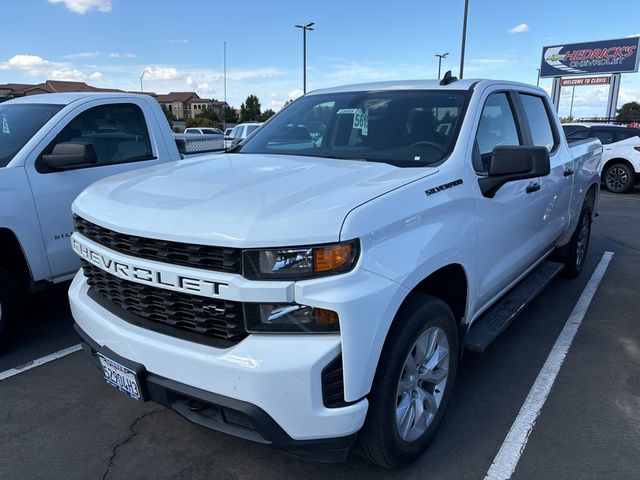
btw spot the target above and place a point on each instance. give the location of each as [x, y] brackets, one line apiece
[539, 122]
[604, 135]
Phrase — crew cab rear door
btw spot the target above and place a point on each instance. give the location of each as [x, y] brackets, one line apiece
[508, 222]
[119, 131]
[555, 188]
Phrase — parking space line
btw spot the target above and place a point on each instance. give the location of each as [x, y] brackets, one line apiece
[40, 361]
[505, 462]
[619, 197]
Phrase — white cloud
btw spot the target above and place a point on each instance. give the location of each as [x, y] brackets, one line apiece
[175, 40]
[83, 6]
[75, 56]
[96, 76]
[163, 73]
[30, 63]
[67, 74]
[189, 80]
[130, 55]
[293, 94]
[114, 55]
[523, 27]
[204, 87]
[488, 61]
[634, 35]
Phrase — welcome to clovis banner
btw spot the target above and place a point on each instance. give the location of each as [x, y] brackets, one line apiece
[588, 58]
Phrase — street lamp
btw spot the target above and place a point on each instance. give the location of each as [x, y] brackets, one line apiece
[538, 79]
[308, 26]
[464, 36]
[440, 57]
[143, 72]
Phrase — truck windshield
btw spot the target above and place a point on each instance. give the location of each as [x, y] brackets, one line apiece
[404, 128]
[18, 123]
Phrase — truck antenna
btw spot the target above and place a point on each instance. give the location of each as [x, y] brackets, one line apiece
[448, 78]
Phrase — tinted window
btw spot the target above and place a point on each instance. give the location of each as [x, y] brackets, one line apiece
[250, 129]
[579, 135]
[404, 128]
[538, 119]
[497, 125]
[604, 135]
[118, 134]
[18, 123]
[625, 133]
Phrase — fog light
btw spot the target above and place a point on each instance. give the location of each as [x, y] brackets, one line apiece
[261, 318]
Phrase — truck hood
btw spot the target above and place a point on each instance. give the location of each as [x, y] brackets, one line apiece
[241, 200]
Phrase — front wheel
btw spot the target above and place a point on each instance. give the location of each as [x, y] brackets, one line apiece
[415, 376]
[619, 178]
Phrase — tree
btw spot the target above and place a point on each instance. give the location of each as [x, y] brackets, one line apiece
[230, 114]
[206, 118]
[266, 115]
[250, 109]
[568, 119]
[629, 112]
[170, 116]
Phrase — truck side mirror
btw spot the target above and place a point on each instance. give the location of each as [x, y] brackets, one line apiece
[510, 163]
[69, 155]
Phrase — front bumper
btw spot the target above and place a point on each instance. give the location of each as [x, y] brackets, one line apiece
[224, 414]
[277, 374]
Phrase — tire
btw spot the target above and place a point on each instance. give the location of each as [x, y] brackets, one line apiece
[619, 178]
[10, 296]
[575, 252]
[391, 436]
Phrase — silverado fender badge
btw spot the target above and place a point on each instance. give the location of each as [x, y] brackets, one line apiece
[444, 186]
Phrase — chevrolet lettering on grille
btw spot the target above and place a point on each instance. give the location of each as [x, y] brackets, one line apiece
[151, 276]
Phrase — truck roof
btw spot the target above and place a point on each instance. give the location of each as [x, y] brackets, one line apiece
[67, 98]
[465, 84]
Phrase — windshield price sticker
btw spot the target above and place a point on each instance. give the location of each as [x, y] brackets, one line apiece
[5, 126]
[361, 121]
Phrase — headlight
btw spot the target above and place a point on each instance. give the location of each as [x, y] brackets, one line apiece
[261, 318]
[300, 262]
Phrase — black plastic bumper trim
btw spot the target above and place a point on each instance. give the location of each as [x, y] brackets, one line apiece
[260, 428]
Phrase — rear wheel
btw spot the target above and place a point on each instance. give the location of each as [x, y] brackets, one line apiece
[413, 383]
[574, 253]
[619, 178]
[9, 302]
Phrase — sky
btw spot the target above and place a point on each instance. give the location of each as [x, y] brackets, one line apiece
[109, 43]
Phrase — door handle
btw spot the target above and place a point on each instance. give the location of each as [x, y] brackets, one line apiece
[533, 187]
[568, 171]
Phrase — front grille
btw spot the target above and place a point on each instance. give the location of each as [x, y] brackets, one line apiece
[220, 259]
[201, 319]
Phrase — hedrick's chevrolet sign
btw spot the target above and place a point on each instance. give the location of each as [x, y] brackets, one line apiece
[588, 58]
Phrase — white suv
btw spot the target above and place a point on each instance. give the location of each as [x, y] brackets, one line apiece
[621, 155]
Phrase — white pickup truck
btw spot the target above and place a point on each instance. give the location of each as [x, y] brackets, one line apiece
[316, 288]
[51, 148]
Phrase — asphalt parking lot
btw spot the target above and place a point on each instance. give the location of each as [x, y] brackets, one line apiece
[60, 420]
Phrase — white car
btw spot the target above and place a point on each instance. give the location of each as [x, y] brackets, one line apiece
[621, 156]
[240, 132]
[308, 292]
[203, 131]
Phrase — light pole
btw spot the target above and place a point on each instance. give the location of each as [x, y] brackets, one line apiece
[573, 92]
[464, 37]
[224, 107]
[143, 72]
[440, 57]
[305, 27]
[538, 80]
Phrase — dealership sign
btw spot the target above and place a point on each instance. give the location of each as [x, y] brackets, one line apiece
[589, 58]
[574, 82]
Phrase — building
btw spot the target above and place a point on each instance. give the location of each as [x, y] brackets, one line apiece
[185, 105]
[50, 86]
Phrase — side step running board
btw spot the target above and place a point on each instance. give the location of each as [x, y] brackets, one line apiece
[495, 321]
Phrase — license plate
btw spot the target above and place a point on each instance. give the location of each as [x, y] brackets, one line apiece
[120, 377]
